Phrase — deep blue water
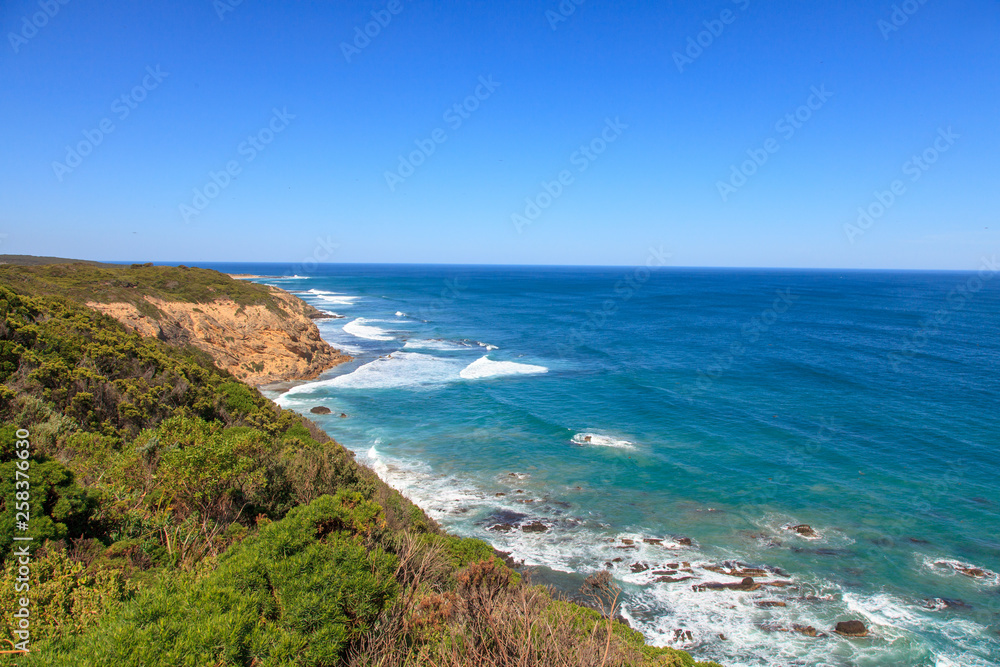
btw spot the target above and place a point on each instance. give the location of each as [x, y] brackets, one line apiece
[717, 405]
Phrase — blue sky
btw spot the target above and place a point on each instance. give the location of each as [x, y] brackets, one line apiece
[666, 121]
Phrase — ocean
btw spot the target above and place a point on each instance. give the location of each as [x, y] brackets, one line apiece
[674, 425]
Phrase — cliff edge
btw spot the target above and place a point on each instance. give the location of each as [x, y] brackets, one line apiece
[259, 334]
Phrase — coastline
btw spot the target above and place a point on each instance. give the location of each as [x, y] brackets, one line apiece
[799, 610]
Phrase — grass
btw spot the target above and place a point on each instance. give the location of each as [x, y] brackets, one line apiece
[84, 282]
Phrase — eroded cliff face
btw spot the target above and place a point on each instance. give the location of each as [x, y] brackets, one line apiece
[254, 343]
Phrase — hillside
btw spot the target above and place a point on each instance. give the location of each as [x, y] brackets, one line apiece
[259, 334]
[180, 518]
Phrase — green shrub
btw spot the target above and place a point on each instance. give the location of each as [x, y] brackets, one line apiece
[298, 593]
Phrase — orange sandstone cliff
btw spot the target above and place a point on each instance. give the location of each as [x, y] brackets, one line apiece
[256, 344]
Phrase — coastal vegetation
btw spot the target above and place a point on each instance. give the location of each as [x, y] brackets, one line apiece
[181, 518]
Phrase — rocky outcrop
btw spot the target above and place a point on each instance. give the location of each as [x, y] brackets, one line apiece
[804, 530]
[851, 629]
[257, 344]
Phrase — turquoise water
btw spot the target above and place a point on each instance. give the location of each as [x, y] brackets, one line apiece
[718, 406]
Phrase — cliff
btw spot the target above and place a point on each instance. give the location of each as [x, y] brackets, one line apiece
[259, 334]
[253, 343]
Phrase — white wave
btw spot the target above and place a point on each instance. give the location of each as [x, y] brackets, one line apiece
[443, 345]
[487, 368]
[332, 297]
[952, 567]
[598, 440]
[295, 277]
[400, 313]
[400, 369]
[362, 329]
[487, 346]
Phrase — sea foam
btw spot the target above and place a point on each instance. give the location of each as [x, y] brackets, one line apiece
[598, 440]
[362, 328]
[333, 297]
[400, 369]
[485, 367]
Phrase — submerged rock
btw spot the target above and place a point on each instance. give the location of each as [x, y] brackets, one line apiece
[974, 572]
[804, 530]
[851, 629]
[501, 527]
[939, 604]
[747, 584]
[807, 630]
[764, 604]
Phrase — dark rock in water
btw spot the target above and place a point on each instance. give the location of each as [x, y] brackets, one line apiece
[627, 547]
[500, 495]
[650, 540]
[534, 527]
[737, 572]
[682, 635]
[973, 572]
[851, 629]
[764, 604]
[320, 410]
[639, 567]
[617, 560]
[503, 516]
[627, 541]
[343, 415]
[748, 584]
[937, 604]
[664, 572]
[502, 527]
[917, 540]
[684, 541]
[807, 630]
[670, 580]
[804, 530]
[823, 552]
[673, 566]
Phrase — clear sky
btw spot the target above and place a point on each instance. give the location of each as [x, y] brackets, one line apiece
[313, 131]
